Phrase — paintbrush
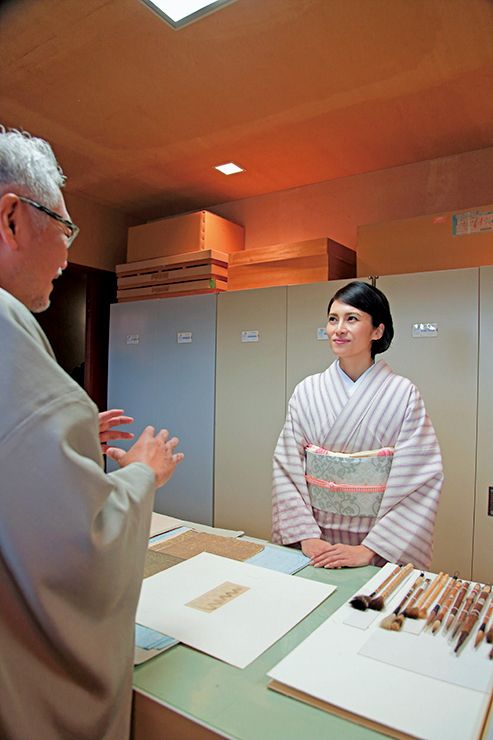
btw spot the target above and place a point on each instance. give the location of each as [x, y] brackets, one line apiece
[442, 613]
[472, 617]
[417, 596]
[395, 620]
[421, 609]
[377, 603]
[489, 634]
[465, 609]
[361, 601]
[455, 608]
[482, 630]
[443, 598]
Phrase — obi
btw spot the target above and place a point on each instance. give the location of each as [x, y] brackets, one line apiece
[347, 484]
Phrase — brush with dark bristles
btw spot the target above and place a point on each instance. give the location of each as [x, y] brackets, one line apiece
[432, 616]
[420, 611]
[361, 601]
[377, 603]
[417, 596]
[395, 620]
[443, 611]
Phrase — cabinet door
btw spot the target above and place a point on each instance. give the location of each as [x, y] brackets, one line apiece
[444, 367]
[483, 524]
[161, 370]
[308, 350]
[250, 405]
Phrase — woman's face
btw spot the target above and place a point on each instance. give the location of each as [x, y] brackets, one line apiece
[351, 331]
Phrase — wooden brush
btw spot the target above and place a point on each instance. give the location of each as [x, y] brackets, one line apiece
[431, 618]
[361, 601]
[395, 620]
[483, 630]
[421, 609]
[470, 599]
[456, 605]
[377, 603]
[419, 593]
[443, 611]
[472, 617]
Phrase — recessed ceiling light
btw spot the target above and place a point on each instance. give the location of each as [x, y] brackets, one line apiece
[230, 168]
[180, 12]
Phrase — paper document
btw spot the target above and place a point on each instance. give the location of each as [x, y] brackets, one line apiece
[149, 643]
[162, 523]
[253, 608]
[282, 559]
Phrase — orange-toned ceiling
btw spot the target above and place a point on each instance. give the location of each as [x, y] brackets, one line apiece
[295, 91]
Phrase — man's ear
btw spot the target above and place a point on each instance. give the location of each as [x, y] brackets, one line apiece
[9, 213]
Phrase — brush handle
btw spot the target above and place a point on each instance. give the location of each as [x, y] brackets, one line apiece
[396, 570]
[434, 588]
[458, 601]
[404, 572]
[417, 583]
[442, 613]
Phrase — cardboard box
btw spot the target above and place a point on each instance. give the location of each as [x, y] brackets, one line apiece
[191, 232]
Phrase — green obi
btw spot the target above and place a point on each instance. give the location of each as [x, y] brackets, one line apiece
[347, 484]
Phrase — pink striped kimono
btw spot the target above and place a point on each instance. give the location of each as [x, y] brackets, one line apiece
[385, 410]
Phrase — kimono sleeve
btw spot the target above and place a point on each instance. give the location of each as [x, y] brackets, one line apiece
[292, 517]
[403, 531]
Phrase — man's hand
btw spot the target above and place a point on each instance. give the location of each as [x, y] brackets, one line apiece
[154, 450]
[108, 420]
[338, 556]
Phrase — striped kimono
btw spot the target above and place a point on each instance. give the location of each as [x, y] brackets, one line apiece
[385, 410]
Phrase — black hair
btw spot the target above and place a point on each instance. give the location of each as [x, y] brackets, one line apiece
[371, 300]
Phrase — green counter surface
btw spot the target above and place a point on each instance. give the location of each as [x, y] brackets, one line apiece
[237, 703]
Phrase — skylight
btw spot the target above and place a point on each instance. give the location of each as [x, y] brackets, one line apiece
[180, 12]
[230, 168]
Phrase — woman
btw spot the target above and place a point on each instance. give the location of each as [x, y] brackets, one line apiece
[343, 508]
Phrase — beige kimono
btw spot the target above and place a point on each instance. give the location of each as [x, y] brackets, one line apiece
[72, 548]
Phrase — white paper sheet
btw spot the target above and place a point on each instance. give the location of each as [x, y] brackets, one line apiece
[328, 665]
[241, 629]
[161, 523]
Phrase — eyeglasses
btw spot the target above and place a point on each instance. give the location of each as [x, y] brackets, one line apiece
[73, 229]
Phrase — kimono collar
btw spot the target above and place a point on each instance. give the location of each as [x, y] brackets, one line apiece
[349, 383]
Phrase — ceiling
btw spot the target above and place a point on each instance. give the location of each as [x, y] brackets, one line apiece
[295, 91]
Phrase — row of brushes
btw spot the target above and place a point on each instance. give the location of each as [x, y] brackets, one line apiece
[463, 608]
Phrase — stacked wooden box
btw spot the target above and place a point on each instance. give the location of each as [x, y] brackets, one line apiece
[181, 255]
[193, 273]
[310, 261]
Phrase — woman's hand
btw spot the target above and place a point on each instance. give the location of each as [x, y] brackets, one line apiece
[313, 548]
[337, 556]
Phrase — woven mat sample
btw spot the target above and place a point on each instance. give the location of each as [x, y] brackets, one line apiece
[155, 562]
[192, 543]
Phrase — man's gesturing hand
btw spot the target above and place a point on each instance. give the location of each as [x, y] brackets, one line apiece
[154, 450]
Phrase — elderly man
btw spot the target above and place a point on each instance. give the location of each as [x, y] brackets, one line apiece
[72, 538]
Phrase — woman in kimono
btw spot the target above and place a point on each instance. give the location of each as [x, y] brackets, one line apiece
[357, 468]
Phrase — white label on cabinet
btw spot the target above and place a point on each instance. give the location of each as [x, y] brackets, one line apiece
[425, 329]
[253, 335]
[184, 337]
[321, 334]
[133, 338]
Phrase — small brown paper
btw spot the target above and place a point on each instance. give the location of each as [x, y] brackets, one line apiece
[217, 597]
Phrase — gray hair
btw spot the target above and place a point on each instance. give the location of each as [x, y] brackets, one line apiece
[27, 164]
